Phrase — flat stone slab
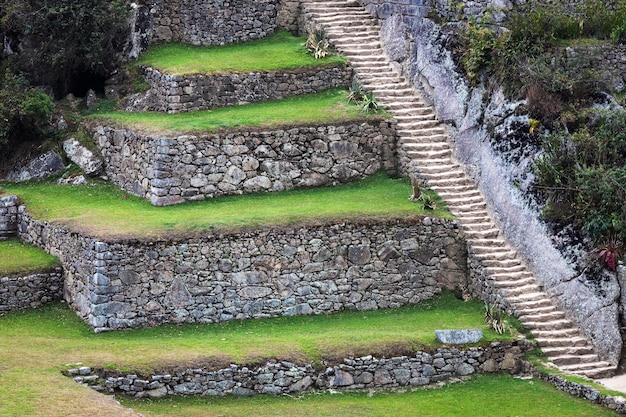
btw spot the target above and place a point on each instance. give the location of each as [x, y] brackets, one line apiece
[458, 337]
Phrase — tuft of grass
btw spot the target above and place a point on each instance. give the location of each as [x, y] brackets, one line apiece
[17, 258]
[105, 211]
[481, 396]
[280, 51]
[326, 107]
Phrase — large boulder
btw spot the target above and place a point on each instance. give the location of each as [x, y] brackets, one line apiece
[43, 166]
[83, 157]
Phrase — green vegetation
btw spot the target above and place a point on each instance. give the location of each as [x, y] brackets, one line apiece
[67, 40]
[276, 52]
[103, 210]
[24, 111]
[582, 178]
[481, 396]
[37, 344]
[19, 258]
[525, 58]
[326, 107]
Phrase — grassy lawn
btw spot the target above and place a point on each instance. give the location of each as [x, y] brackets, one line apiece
[107, 212]
[276, 52]
[18, 258]
[329, 106]
[481, 396]
[37, 344]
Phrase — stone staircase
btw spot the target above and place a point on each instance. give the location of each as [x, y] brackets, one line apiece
[424, 145]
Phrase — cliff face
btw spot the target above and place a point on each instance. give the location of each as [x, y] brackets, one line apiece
[493, 141]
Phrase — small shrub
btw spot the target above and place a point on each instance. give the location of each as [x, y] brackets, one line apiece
[429, 201]
[362, 98]
[610, 253]
[582, 179]
[481, 43]
[317, 44]
[357, 93]
[24, 110]
[496, 319]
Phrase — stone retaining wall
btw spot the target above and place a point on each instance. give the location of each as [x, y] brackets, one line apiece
[211, 22]
[278, 378]
[296, 270]
[18, 293]
[189, 168]
[617, 404]
[8, 217]
[182, 93]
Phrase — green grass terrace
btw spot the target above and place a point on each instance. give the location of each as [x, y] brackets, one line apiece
[17, 258]
[32, 383]
[104, 211]
[327, 107]
[280, 51]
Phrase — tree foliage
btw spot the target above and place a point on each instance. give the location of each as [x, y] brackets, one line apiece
[61, 39]
[24, 110]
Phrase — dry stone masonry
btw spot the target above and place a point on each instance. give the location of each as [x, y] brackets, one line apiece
[8, 217]
[192, 92]
[18, 293]
[295, 270]
[189, 168]
[276, 378]
[211, 22]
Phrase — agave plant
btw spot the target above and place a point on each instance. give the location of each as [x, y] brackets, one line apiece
[369, 103]
[495, 319]
[317, 44]
[365, 99]
[357, 93]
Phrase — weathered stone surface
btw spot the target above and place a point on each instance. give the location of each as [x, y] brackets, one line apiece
[210, 23]
[458, 337]
[190, 168]
[83, 157]
[277, 378]
[250, 274]
[30, 291]
[182, 93]
[49, 163]
[501, 179]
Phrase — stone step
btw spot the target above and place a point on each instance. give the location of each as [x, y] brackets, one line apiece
[445, 182]
[502, 263]
[510, 284]
[430, 154]
[528, 296]
[505, 279]
[564, 360]
[541, 302]
[537, 310]
[563, 351]
[542, 317]
[557, 334]
[466, 197]
[594, 370]
[484, 234]
[561, 342]
[496, 254]
[421, 123]
[520, 290]
[489, 243]
[428, 146]
[482, 227]
[471, 207]
[547, 325]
